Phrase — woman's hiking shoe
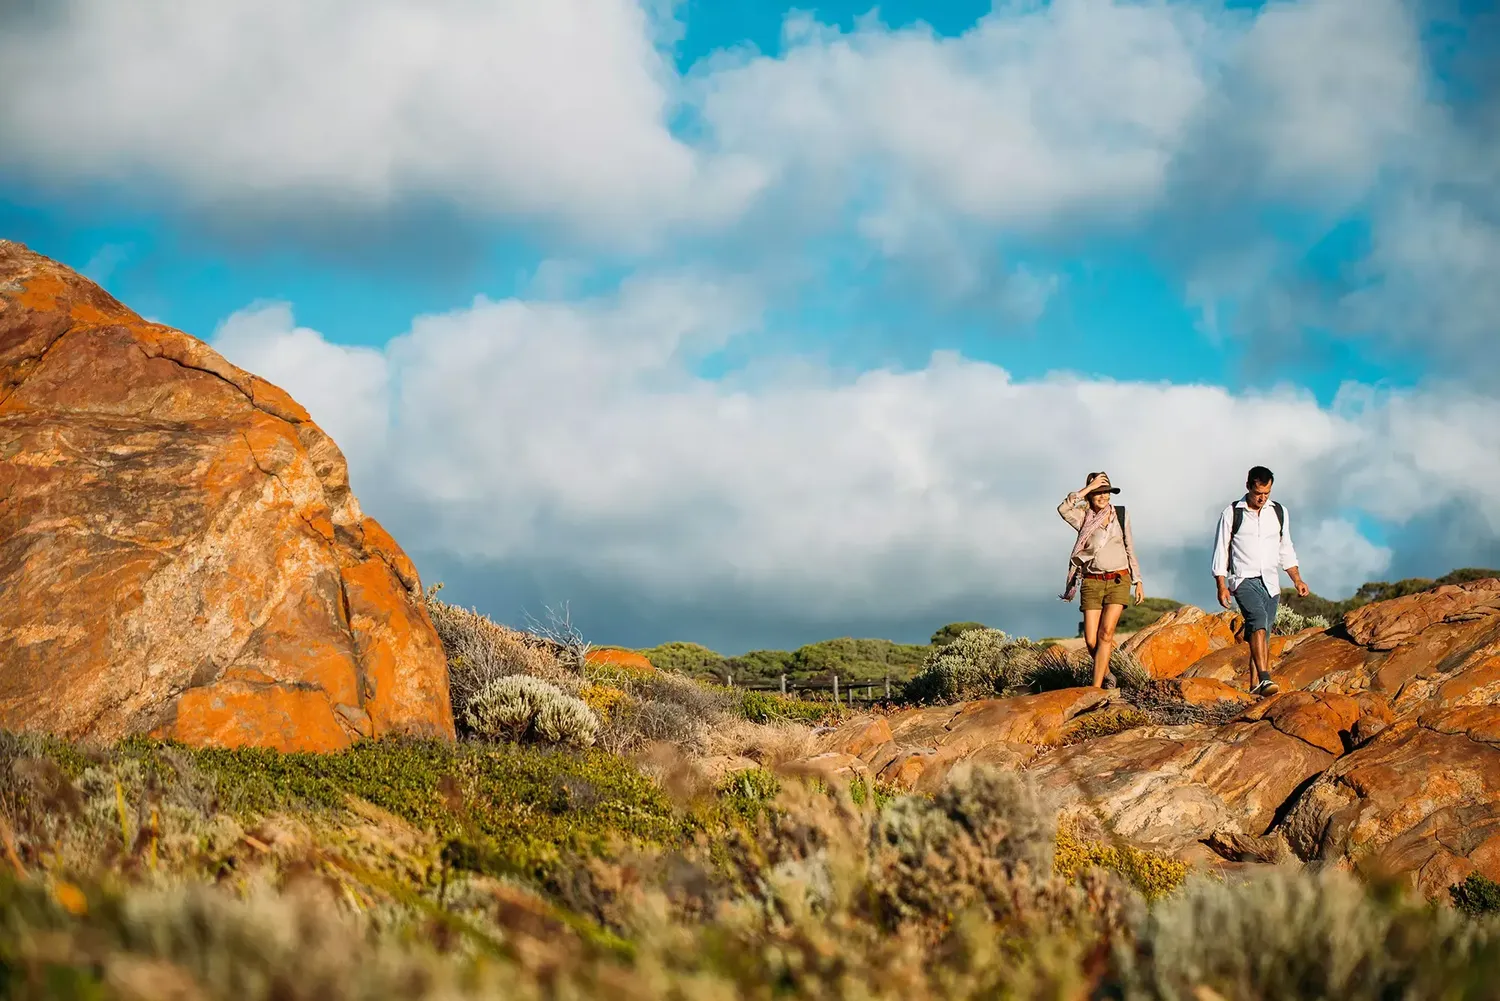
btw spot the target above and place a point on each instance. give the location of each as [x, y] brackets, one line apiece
[1265, 686]
[1110, 681]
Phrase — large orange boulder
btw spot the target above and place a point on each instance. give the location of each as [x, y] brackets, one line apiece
[629, 660]
[180, 552]
[1179, 639]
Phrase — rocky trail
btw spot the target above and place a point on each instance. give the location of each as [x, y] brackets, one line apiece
[1382, 752]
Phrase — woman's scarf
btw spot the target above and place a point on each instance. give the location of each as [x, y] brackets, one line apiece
[1092, 522]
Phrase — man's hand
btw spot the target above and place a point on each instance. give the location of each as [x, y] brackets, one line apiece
[1140, 592]
[1302, 589]
[1223, 593]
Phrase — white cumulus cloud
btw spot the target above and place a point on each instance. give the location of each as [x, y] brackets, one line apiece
[556, 109]
[577, 435]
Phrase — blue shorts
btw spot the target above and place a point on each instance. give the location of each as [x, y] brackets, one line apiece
[1257, 605]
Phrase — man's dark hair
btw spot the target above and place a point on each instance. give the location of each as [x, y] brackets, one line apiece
[1259, 476]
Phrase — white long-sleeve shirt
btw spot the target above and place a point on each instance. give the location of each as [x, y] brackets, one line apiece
[1262, 547]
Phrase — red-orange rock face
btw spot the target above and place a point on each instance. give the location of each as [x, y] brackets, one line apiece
[179, 549]
[1422, 799]
[1180, 639]
[616, 657]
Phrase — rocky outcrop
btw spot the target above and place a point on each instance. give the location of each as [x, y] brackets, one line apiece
[916, 749]
[1171, 787]
[180, 551]
[1381, 754]
[1422, 798]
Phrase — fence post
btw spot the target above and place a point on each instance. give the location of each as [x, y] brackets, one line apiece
[783, 684]
[888, 686]
[728, 680]
[835, 689]
[851, 696]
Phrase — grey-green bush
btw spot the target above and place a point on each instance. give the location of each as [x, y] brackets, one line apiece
[526, 709]
[1289, 621]
[985, 826]
[480, 651]
[1292, 934]
[980, 663]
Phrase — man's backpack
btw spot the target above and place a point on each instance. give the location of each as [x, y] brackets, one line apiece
[1239, 519]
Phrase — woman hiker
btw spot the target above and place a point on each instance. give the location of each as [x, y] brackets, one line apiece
[1104, 559]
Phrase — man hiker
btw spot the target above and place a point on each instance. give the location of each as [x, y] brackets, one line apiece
[1253, 544]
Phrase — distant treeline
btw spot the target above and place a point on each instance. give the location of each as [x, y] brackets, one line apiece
[874, 659]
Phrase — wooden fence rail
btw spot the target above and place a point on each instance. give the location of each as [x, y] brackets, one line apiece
[833, 684]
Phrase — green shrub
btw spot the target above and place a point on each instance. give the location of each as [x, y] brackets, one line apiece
[761, 665]
[689, 659]
[749, 793]
[1138, 617]
[981, 663]
[1154, 875]
[1476, 895]
[960, 848]
[767, 707]
[531, 806]
[528, 710]
[1104, 723]
[856, 659]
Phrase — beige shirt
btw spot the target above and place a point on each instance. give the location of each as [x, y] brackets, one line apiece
[1111, 550]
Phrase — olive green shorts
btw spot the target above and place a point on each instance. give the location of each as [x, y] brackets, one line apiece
[1098, 593]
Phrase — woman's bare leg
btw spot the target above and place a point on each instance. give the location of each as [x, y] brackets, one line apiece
[1091, 629]
[1105, 644]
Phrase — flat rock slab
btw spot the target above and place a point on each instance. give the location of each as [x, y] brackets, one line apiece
[1171, 787]
[916, 748]
[180, 551]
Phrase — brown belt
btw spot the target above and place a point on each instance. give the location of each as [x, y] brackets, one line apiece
[1113, 578]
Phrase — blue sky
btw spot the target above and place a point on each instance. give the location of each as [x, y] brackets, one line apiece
[751, 325]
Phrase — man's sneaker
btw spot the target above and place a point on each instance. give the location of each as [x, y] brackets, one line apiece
[1265, 686]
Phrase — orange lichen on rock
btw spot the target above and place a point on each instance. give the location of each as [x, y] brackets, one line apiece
[620, 658]
[179, 546]
[1179, 639]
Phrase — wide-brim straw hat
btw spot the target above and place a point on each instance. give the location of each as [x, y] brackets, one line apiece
[1107, 488]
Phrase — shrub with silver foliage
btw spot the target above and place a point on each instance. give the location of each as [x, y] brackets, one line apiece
[985, 663]
[980, 663]
[1289, 621]
[983, 827]
[1290, 934]
[526, 709]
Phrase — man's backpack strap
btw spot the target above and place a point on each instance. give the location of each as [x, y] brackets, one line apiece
[1234, 529]
[1280, 517]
